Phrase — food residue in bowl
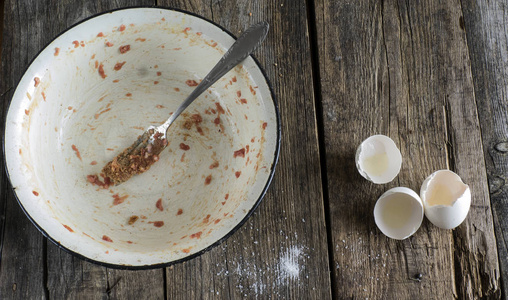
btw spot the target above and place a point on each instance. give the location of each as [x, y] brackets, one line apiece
[135, 159]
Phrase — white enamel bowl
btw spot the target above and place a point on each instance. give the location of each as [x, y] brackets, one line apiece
[81, 103]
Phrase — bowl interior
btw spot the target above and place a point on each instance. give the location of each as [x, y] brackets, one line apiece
[99, 85]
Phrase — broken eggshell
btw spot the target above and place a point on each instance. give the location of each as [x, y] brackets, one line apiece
[446, 199]
[378, 159]
[398, 213]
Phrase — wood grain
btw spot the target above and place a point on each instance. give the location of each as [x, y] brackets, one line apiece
[281, 252]
[29, 267]
[401, 69]
[487, 35]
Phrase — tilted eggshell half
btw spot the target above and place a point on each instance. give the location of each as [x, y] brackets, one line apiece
[378, 159]
[398, 213]
[446, 199]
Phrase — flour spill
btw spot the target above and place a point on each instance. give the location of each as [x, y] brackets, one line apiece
[289, 266]
[283, 270]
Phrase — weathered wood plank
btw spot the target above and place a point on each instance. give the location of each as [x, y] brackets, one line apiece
[22, 246]
[487, 37]
[38, 272]
[399, 68]
[281, 252]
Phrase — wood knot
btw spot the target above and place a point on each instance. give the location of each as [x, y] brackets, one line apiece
[501, 147]
[496, 183]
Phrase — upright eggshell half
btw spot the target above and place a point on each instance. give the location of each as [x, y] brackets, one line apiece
[446, 199]
[378, 159]
[398, 213]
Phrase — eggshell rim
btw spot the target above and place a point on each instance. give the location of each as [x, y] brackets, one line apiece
[406, 191]
[427, 181]
[383, 139]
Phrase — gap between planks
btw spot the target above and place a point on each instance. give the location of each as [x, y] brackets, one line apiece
[319, 113]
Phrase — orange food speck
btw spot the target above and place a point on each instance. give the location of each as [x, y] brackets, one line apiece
[156, 66]
[252, 90]
[238, 173]
[243, 101]
[206, 219]
[68, 228]
[177, 89]
[159, 73]
[119, 65]
[128, 94]
[82, 44]
[27, 112]
[37, 81]
[97, 115]
[116, 80]
[240, 153]
[180, 211]
[129, 242]
[107, 239]
[234, 79]
[159, 106]
[208, 179]
[57, 51]
[119, 200]
[141, 39]
[35, 193]
[158, 204]
[191, 82]
[184, 147]
[101, 71]
[219, 108]
[217, 221]
[264, 125]
[196, 235]
[217, 120]
[155, 82]
[93, 163]
[214, 165]
[76, 44]
[121, 28]
[124, 48]
[158, 223]
[227, 196]
[187, 250]
[239, 94]
[100, 34]
[77, 151]
[109, 44]
[43, 96]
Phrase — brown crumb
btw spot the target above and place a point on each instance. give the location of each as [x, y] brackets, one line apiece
[133, 219]
[158, 204]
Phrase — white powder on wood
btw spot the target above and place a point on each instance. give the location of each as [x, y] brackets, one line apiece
[289, 266]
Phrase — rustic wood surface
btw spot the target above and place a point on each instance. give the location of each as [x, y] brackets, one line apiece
[430, 74]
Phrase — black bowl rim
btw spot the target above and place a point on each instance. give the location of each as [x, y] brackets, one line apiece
[215, 244]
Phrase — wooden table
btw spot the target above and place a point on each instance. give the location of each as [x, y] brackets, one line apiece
[433, 75]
